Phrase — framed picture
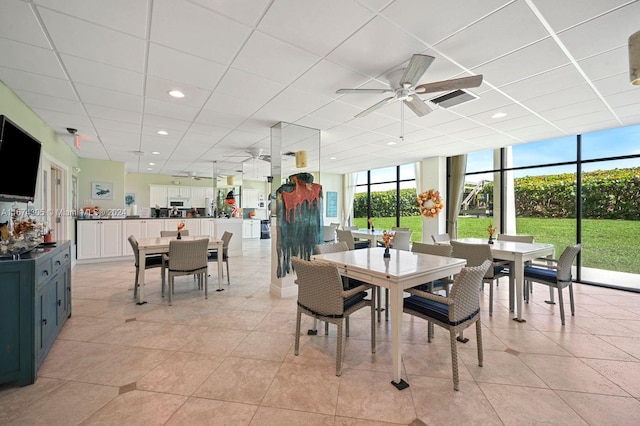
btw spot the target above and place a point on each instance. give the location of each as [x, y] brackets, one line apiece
[129, 199]
[102, 190]
[332, 204]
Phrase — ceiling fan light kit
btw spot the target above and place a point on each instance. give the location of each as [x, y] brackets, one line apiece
[402, 83]
[634, 58]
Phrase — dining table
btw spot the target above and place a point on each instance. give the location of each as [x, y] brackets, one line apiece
[402, 270]
[518, 254]
[160, 245]
[367, 234]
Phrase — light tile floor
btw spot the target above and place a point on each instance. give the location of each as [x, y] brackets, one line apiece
[229, 360]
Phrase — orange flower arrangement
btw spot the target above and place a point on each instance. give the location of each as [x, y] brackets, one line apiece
[387, 237]
[181, 226]
[430, 203]
[491, 230]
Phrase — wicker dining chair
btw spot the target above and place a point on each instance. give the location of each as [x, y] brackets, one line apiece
[187, 257]
[436, 250]
[322, 296]
[440, 238]
[213, 254]
[151, 261]
[555, 273]
[476, 254]
[346, 236]
[454, 313]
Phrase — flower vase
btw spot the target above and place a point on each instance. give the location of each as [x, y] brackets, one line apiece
[179, 237]
[372, 230]
[490, 239]
[386, 252]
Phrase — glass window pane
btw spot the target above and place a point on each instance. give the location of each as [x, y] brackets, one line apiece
[387, 174]
[545, 152]
[611, 143]
[480, 161]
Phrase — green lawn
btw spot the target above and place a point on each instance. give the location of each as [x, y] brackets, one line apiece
[606, 244]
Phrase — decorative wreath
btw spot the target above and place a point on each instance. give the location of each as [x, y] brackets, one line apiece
[430, 203]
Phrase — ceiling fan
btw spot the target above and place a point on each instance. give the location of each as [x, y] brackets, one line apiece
[402, 84]
[192, 175]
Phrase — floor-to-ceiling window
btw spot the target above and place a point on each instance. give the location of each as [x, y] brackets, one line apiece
[573, 189]
[386, 198]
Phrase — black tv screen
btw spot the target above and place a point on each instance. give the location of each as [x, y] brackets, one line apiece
[19, 161]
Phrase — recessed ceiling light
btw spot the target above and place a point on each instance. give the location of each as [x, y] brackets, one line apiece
[499, 115]
[162, 132]
[176, 94]
[152, 164]
[391, 143]
[149, 168]
[155, 153]
[332, 158]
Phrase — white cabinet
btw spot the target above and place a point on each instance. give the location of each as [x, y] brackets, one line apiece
[158, 196]
[235, 227]
[208, 226]
[199, 194]
[99, 238]
[179, 192]
[143, 228]
[250, 228]
[249, 198]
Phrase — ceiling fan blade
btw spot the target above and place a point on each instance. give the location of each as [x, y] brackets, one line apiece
[417, 67]
[418, 106]
[374, 91]
[453, 84]
[374, 107]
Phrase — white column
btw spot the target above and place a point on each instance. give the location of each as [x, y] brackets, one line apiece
[434, 176]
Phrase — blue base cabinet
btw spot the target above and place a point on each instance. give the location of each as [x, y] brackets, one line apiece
[35, 302]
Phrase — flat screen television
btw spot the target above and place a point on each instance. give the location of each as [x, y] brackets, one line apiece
[19, 161]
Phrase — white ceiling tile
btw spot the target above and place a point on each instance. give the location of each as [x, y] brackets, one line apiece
[317, 27]
[36, 83]
[328, 77]
[247, 12]
[614, 84]
[158, 89]
[170, 110]
[545, 83]
[249, 86]
[182, 25]
[508, 29]
[376, 49]
[114, 114]
[577, 109]
[173, 125]
[273, 58]
[109, 98]
[28, 58]
[563, 14]
[40, 101]
[560, 98]
[607, 63]
[617, 25]
[104, 76]
[180, 67]
[231, 104]
[77, 37]
[18, 22]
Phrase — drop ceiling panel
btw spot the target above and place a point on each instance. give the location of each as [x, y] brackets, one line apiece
[35, 83]
[109, 98]
[113, 114]
[105, 76]
[614, 84]
[170, 110]
[606, 64]
[158, 88]
[249, 86]
[545, 83]
[76, 37]
[181, 25]
[328, 77]
[51, 103]
[562, 15]
[561, 98]
[508, 29]
[275, 59]
[181, 67]
[302, 23]
[28, 58]
[231, 105]
[247, 12]
[172, 125]
[16, 22]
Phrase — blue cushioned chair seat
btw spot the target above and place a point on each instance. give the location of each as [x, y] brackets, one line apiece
[543, 274]
[436, 284]
[361, 244]
[213, 255]
[348, 303]
[436, 310]
[350, 283]
[499, 269]
[152, 260]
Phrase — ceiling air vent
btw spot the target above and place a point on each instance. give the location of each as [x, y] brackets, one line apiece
[454, 98]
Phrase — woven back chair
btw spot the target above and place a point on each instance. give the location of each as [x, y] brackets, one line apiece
[346, 236]
[213, 254]
[476, 254]
[555, 273]
[184, 233]
[187, 257]
[329, 233]
[516, 238]
[440, 238]
[436, 250]
[321, 296]
[454, 313]
[401, 240]
[150, 262]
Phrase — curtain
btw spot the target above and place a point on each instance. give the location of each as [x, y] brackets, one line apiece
[349, 194]
[456, 188]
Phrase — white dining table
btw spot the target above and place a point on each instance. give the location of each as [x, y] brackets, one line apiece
[367, 234]
[403, 270]
[160, 245]
[518, 254]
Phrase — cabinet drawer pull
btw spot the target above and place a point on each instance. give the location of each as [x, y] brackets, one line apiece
[58, 263]
[59, 302]
[45, 272]
[44, 321]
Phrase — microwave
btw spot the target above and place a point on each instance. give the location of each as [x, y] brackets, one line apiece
[178, 202]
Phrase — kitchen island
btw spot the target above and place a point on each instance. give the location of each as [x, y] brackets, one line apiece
[106, 239]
